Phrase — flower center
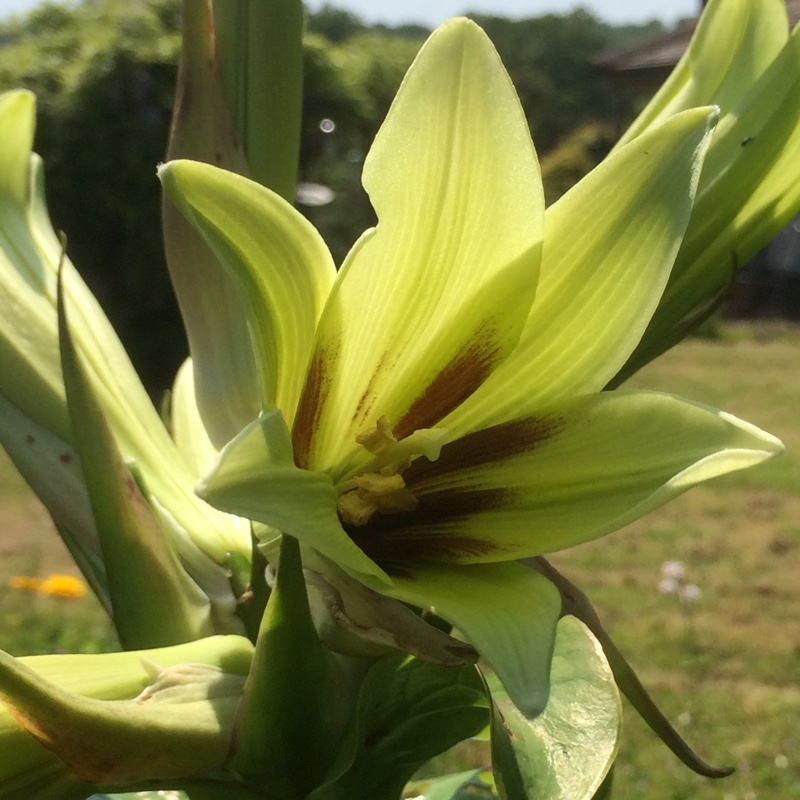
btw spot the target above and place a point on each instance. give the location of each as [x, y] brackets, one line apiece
[382, 490]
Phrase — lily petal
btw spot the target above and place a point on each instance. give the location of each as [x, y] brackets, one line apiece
[609, 246]
[507, 611]
[749, 190]
[429, 302]
[733, 44]
[256, 475]
[188, 430]
[213, 312]
[281, 264]
[573, 473]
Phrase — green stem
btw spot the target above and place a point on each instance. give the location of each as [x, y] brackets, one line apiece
[260, 47]
[290, 718]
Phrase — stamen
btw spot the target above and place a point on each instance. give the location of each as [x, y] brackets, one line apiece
[379, 439]
[384, 492]
[382, 489]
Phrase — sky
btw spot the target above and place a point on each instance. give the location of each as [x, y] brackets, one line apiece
[434, 12]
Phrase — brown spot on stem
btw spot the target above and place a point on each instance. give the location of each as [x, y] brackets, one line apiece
[468, 369]
[65, 458]
[312, 401]
[29, 438]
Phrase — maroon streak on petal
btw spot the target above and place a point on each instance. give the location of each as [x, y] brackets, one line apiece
[312, 401]
[399, 551]
[488, 446]
[431, 532]
[468, 369]
[367, 399]
[443, 509]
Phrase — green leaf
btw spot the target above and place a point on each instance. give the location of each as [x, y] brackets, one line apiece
[48, 780]
[407, 713]
[461, 786]
[180, 725]
[155, 795]
[29, 771]
[51, 467]
[154, 601]
[576, 603]
[566, 752]
[260, 50]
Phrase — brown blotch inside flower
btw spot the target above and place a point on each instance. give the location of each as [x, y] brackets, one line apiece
[312, 401]
[367, 399]
[470, 367]
[397, 554]
[424, 533]
[488, 446]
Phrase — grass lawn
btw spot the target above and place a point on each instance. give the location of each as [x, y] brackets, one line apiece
[726, 667]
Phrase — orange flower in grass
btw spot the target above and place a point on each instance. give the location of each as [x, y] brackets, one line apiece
[53, 585]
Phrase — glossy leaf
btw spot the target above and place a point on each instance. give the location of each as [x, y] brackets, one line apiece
[461, 786]
[407, 712]
[566, 752]
[577, 604]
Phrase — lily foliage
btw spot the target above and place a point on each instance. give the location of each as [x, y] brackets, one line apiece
[400, 442]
